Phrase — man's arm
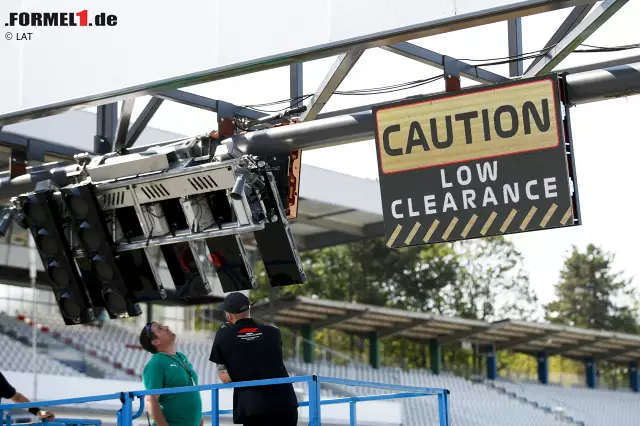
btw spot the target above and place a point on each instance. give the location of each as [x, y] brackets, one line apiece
[155, 411]
[152, 377]
[9, 392]
[19, 398]
[217, 357]
[223, 374]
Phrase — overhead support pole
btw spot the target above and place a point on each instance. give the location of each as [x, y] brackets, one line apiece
[577, 36]
[331, 82]
[123, 124]
[576, 16]
[602, 84]
[437, 60]
[624, 61]
[142, 121]
[514, 30]
[106, 125]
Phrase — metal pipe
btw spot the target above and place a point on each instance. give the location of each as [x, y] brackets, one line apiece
[626, 60]
[598, 85]
[27, 182]
[310, 135]
[590, 86]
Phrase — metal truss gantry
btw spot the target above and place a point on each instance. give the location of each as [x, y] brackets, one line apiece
[113, 134]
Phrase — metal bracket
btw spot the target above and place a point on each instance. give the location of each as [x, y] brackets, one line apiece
[19, 158]
[451, 73]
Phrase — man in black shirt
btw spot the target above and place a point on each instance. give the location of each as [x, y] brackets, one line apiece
[246, 351]
[8, 392]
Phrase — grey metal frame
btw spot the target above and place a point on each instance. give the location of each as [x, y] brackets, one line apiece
[113, 134]
[380, 39]
[355, 124]
[576, 36]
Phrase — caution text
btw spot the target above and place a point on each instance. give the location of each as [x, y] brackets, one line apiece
[485, 124]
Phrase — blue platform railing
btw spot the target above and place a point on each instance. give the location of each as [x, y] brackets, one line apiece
[126, 414]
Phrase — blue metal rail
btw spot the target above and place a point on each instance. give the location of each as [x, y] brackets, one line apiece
[126, 414]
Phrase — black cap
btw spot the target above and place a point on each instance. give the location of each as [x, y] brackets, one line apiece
[235, 303]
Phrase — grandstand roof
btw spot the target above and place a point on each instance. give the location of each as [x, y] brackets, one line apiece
[362, 319]
[571, 342]
[518, 336]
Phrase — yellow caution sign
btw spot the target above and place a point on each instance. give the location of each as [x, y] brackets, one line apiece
[488, 160]
[461, 127]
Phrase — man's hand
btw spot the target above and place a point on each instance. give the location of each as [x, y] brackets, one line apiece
[46, 415]
[19, 398]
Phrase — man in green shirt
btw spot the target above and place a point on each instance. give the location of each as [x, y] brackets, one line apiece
[169, 369]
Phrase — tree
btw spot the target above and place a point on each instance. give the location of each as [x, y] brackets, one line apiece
[590, 295]
[493, 283]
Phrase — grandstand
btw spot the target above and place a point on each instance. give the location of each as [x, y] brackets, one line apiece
[111, 352]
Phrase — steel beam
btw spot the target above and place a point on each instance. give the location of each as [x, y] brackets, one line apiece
[626, 61]
[434, 59]
[591, 86]
[381, 38]
[331, 82]
[576, 16]
[585, 87]
[208, 104]
[36, 148]
[514, 31]
[296, 86]
[142, 121]
[579, 34]
[123, 124]
[106, 124]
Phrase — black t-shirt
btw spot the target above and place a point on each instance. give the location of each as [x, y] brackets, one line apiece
[253, 351]
[6, 390]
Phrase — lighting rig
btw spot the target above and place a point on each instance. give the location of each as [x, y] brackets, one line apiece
[99, 232]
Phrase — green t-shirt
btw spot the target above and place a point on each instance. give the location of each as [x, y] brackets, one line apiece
[164, 371]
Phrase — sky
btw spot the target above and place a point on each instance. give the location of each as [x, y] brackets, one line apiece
[606, 134]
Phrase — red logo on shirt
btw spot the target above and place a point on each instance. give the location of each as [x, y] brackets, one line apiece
[248, 330]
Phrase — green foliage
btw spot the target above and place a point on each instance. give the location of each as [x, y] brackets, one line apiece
[492, 282]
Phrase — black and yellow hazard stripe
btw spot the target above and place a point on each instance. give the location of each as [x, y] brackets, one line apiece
[455, 227]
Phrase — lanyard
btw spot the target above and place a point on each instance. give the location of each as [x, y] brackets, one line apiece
[179, 361]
